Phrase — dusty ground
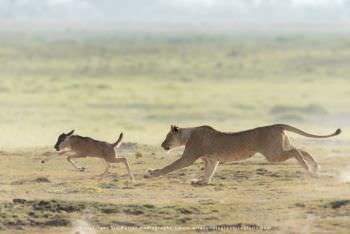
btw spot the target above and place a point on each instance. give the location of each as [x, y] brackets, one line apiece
[252, 195]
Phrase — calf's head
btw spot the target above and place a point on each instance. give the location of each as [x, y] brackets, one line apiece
[60, 144]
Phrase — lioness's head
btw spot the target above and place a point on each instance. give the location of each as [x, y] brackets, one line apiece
[173, 138]
[61, 140]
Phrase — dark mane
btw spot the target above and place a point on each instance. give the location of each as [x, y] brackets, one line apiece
[84, 138]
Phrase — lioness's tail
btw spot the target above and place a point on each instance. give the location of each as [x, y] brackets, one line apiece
[117, 143]
[301, 132]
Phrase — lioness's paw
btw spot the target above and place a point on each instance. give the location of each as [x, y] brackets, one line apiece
[148, 173]
[314, 174]
[194, 181]
[154, 173]
[82, 169]
[198, 182]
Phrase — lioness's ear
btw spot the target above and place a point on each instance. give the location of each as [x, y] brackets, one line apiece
[174, 128]
[70, 133]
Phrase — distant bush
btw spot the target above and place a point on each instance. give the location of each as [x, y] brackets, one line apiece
[311, 109]
[290, 117]
[296, 113]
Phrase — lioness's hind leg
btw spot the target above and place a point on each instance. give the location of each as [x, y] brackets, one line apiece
[311, 161]
[287, 154]
[299, 157]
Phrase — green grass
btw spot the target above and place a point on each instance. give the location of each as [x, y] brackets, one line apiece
[103, 85]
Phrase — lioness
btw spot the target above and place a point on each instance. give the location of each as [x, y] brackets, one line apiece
[213, 146]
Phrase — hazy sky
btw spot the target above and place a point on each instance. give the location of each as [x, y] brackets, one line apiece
[219, 14]
[213, 2]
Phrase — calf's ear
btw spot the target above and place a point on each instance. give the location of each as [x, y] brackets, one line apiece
[70, 133]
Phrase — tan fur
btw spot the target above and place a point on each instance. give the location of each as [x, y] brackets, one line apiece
[76, 146]
[213, 146]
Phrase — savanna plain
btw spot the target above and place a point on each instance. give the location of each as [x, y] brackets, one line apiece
[140, 85]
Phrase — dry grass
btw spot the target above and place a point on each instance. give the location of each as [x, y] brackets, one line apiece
[253, 193]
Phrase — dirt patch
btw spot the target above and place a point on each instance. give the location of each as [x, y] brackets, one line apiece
[265, 172]
[244, 175]
[41, 180]
[338, 204]
[56, 207]
[138, 155]
[21, 213]
[328, 209]
[31, 181]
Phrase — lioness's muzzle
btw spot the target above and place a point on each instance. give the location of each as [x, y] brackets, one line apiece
[164, 146]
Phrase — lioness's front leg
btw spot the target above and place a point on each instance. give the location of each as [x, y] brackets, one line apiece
[62, 152]
[182, 162]
[209, 170]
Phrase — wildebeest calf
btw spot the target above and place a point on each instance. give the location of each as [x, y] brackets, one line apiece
[76, 146]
